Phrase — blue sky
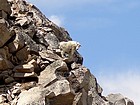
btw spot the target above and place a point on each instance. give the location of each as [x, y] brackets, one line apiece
[109, 32]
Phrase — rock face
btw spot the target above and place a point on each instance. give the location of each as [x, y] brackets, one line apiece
[33, 70]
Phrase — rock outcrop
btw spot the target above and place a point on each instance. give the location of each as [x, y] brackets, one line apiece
[32, 69]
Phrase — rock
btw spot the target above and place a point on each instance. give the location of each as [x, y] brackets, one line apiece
[74, 65]
[3, 14]
[80, 98]
[5, 64]
[9, 80]
[4, 52]
[25, 75]
[63, 94]
[5, 32]
[2, 99]
[22, 21]
[48, 76]
[22, 54]
[118, 99]
[25, 68]
[34, 96]
[5, 6]
[95, 99]
[17, 43]
[79, 78]
[52, 40]
[49, 56]
[16, 91]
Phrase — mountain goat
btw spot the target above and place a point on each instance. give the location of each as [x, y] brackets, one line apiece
[68, 48]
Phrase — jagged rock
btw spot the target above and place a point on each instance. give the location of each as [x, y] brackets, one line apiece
[118, 99]
[9, 80]
[52, 41]
[34, 96]
[95, 99]
[2, 99]
[79, 78]
[3, 14]
[22, 21]
[74, 65]
[17, 43]
[25, 68]
[4, 5]
[5, 64]
[80, 98]
[24, 75]
[48, 75]
[5, 32]
[63, 93]
[45, 55]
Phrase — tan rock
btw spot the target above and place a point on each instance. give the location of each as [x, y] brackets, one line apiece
[79, 78]
[118, 99]
[63, 93]
[5, 64]
[49, 56]
[2, 99]
[22, 21]
[26, 68]
[48, 75]
[34, 96]
[80, 98]
[25, 75]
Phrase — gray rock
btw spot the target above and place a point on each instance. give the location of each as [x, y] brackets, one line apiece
[2, 99]
[118, 99]
[34, 96]
[63, 93]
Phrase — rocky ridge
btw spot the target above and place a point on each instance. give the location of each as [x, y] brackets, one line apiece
[32, 70]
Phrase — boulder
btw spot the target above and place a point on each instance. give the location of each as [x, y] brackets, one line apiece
[62, 93]
[17, 43]
[4, 5]
[48, 75]
[118, 99]
[5, 33]
[34, 96]
[2, 99]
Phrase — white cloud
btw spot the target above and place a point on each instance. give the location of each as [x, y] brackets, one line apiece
[127, 83]
[57, 20]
